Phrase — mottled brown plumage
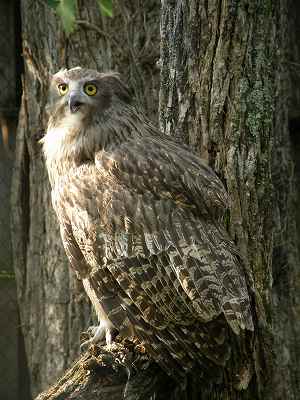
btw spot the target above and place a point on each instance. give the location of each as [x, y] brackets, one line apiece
[137, 213]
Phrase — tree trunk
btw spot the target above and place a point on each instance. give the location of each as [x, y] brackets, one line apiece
[224, 90]
[227, 95]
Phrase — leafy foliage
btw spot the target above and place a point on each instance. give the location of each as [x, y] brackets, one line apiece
[6, 274]
[105, 7]
[66, 9]
[53, 3]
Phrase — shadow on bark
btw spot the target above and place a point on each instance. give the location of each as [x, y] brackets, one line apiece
[125, 371]
[101, 374]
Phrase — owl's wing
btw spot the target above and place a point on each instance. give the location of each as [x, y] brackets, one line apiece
[72, 249]
[167, 169]
[155, 210]
[73, 252]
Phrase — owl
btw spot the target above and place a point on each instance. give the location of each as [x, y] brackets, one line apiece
[139, 216]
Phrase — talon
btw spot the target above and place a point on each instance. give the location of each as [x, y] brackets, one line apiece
[85, 345]
[91, 330]
[101, 333]
[108, 337]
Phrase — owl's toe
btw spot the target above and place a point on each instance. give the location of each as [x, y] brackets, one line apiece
[99, 335]
[96, 336]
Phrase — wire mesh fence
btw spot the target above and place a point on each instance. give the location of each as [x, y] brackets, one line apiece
[9, 332]
[8, 340]
[5, 240]
[11, 343]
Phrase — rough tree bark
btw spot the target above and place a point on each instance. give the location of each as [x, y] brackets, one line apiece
[224, 90]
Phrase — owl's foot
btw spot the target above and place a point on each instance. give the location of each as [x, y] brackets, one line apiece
[103, 334]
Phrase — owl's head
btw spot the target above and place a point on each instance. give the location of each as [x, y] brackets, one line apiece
[79, 94]
[88, 111]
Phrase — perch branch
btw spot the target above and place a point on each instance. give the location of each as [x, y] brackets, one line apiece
[105, 374]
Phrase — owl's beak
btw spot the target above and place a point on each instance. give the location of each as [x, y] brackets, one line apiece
[74, 102]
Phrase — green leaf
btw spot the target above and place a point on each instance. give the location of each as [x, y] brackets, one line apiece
[105, 7]
[66, 9]
[6, 274]
[53, 3]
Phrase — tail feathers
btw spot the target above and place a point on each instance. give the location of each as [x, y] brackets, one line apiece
[179, 349]
[211, 340]
[238, 314]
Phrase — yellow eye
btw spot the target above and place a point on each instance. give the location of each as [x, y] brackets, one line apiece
[90, 89]
[63, 89]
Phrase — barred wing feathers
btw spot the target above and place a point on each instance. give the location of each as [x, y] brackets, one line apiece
[163, 167]
[141, 216]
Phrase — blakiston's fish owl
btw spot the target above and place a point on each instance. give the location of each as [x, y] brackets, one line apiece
[137, 214]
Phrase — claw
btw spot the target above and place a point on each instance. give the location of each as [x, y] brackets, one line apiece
[91, 330]
[98, 333]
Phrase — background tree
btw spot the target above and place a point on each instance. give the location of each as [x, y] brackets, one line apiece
[225, 90]
[229, 96]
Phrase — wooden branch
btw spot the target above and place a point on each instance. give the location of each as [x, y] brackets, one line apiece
[5, 132]
[116, 374]
[89, 25]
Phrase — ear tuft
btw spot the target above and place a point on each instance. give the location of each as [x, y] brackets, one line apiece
[58, 76]
[74, 69]
[117, 86]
